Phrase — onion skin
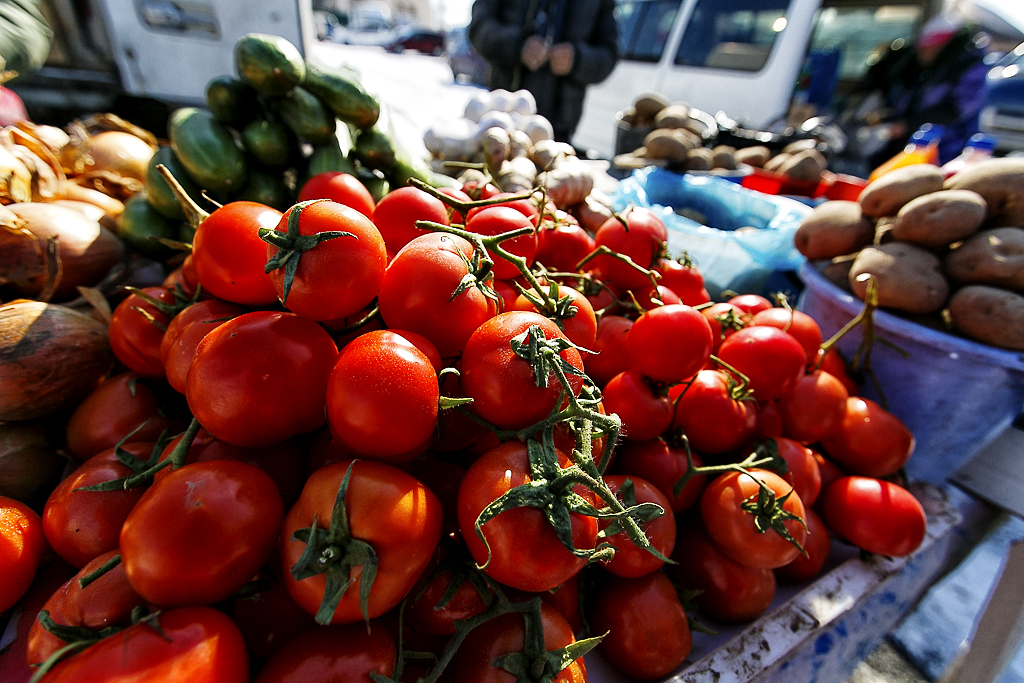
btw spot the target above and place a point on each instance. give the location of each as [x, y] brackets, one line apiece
[111, 205]
[30, 465]
[120, 153]
[51, 357]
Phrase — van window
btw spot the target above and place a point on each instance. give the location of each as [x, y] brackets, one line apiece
[732, 34]
[644, 27]
[860, 34]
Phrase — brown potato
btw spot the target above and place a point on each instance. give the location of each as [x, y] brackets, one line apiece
[724, 157]
[776, 162]
[940, 218]
[989, 315]
[833, 229]
[753, 156]
[673, 116]
[990, 257]
[662, 144]
[887, 195]
[804, 165]
[700, 159]
[647, 107]
[909, 278]
[837, 271]
[800, 146]
[1001, 183]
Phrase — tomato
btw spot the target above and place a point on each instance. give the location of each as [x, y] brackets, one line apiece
[391, 511]
[612, 354]
[80, 525]
[22, 548]
[714, 417]
[443, 479]
[114, 409]
[771, 359]
[833, 364]
[732, 528]
[563, 244]
[428, 612]
[581, 328]
[830, 473]
[107, 601]
[186, 330]
[507, 294]
[334, 278]
[495, 220]
[230, 257]
[643, 242]
[648, 635]
[729, 591]
[340, 187]
[685, 279]
[631, 560]
[474, 660]
[725, 320]
[663, 466]
[814, 408]
[270, 619]
[804, 474]
[333, 653]
[769, 421]
[185, 276]
[382, 397]
[420, 292]
[501, 383]
[194, 644]
[751, 304]
[645, 414]
[134, 338]
[227, 517]
[818, 545]
[14, 663]
[874, 515]
[870, 440]
[670, 343]
[397, 212]
[527, 207]
[261, 378]
[566, 599]
[651, 297]
[803, 327]
[525, 552]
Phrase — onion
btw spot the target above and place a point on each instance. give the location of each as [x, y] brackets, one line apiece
[87, 250]
[51, 357]
[30, 465]
[91, 211]
[111, 205]
[120, 153]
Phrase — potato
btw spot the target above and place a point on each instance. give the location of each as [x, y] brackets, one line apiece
[663, 144]
[989, 315]
[940, 218]
[673, 116]
[889, 193]
[833, 229]
[800, 146]
[909, 277]
[700, 159]
[647, 107]
[837, 271]
[1001, 183]
[776, 162]
[805, 165]
[724, 157]
[990, 257]
[753, 156]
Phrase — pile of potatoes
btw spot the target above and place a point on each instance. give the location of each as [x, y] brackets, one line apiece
[951, 249]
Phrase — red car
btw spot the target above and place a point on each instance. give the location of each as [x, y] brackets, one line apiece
[427, 42]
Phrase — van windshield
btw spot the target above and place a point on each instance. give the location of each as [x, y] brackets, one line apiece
[644, 26]
[732, 34]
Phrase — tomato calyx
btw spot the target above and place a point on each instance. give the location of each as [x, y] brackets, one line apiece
[144, 470]
[543, 355]
[551, 306]
[535, 664]
[292, 245]
[638, 513]
[334, 552]
[181, 302]
[769, 514]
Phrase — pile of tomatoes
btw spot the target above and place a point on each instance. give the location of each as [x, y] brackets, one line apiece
[429, 439]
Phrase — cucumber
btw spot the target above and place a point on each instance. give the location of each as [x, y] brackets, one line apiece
[271, 143]
[231, 101]
[157, 189]
[207, 150]
[328, 157]
[307, 116]
[139, 221]
[266, 189]
[375, 150]
[271, 64]
[342, 92]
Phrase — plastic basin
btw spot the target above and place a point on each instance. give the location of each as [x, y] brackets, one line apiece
[954, 394]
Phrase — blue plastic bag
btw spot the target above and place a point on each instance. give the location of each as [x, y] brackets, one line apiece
[738, 237]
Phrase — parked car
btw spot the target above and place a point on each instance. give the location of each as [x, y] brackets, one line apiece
[418, 39]
[1003, 114]
[466, 64]
[327, 24]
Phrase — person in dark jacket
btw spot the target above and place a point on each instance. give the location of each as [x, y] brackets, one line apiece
[553, 48]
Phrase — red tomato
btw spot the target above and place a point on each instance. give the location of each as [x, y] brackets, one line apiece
[751, 304]
[501, 383]
[712, 415]
[732, 528]
[227, 517]
[425, 612]
[870, 440]
[333, 653]
[185, 276]
[270, 619]
[581, 328]
[194, 644]
[340, 187]
[818, 545]
[527, 207]
[507, 295]
[22, 547]
[382, 397]
[663, 466]
[525, 553]
[685, 279]
[612, 354]
[651, 297]
[645, 414]
[833, 364]
[495, 220]
[261, 378]
[561, 245]
[813, 410]
[115, 408]
[134, 338]
[566, 599]
[769, 421]
[81, 525]
[643, 242]
[397, 212]
[797, 323]
[670, 343]
[771, 359]
[804, 474]
[186, 330]
[648, 635]
[230, 257]
[420, 293]
[631, 560]
[830, 473]
[474, 660]
[725, 320]
[875, 515]
[730, 591]
[391, 511]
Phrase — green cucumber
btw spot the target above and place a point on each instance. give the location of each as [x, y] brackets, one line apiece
[231, 101]
[307, 116]
[342, 92]
[270, 142]
[269, 63]
[157, 189]
[207, 150]
[139, 222]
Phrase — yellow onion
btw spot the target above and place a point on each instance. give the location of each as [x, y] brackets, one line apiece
[112, 206]
[91, 211]
[120, 153]
[30, 465]
[51, 357]
[87, 250]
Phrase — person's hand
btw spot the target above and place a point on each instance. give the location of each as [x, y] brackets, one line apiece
[535, 53]
[562, 57]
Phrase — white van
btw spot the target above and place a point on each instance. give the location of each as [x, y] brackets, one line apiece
[743, 57]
